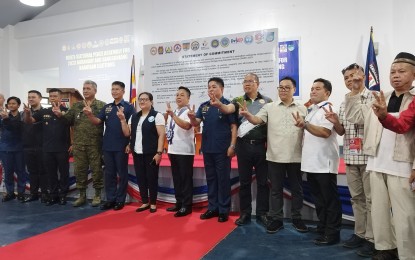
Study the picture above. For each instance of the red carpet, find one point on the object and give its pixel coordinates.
(125, 234)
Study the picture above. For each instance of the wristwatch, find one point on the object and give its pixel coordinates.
(159, 153)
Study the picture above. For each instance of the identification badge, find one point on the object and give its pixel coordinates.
(355, 146)
(170, 135)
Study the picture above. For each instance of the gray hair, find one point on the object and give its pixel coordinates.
(90, 82)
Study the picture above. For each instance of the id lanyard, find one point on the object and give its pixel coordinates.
(315, 112)
(170, 132)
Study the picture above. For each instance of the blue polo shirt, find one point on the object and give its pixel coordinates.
(114, 139)
(216, 135)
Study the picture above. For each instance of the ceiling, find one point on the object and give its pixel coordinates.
(13, 12)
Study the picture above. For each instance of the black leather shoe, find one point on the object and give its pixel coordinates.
(32, 197)
(107, 205)
(390, 254)
(274, 225)
(153, 210)
(183, 212)
(367, 250)
(223, 217)
(44, 198)
(262, 220)
(299, 225)
(52, 201)
(174, 209)
(243, 220)
(8, 197)
(316, 230)
(326, 240)
(209, 214)
(140, 209)
(119, 206)
(62, 201)
(20, 197)
(354, 241)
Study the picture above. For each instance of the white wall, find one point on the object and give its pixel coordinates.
(35, 46)
(333, 33)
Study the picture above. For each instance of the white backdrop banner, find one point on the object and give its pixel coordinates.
(191, 63)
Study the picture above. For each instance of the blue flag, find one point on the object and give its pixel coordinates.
(371, 70)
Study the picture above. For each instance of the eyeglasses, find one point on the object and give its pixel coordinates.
(143, 99)
(352, 66)
(284, 89)
(249, 81)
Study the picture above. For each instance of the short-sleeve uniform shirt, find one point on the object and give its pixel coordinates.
(216, 134)
(114, 139)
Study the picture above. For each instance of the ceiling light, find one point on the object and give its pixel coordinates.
(33, 2)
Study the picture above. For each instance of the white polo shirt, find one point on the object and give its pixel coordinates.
(320, 155)
(183, 141)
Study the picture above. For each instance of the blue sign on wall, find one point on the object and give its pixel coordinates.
(289, 63)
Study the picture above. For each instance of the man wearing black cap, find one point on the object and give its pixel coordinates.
(390, 163)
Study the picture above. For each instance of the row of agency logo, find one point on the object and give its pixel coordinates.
(258, 38)
(126, 39)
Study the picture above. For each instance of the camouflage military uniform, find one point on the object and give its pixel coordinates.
(87, 145)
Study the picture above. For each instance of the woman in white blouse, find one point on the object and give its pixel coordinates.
(147, 139)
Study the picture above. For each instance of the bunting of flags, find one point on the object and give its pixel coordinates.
(133, 88)
(371, 70)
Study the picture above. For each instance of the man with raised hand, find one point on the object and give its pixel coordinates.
(283, 153)
(320, 160)
(32, 146)
(358, 179)
(115, 115)
(87, 144)
(181, 150)
(218, 144)
(390, 162)
(251, 152)
(56, 146)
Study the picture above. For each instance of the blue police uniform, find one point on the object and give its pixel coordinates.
(56, 142)
(113, 147)
(216, 139)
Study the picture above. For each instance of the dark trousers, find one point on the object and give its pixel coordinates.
(276, 174)
(147, 177)
(38, 177)
(13, 162)
(218, 169)
(252, 156)
(116, 164)
(182, 172)
(57, 168)
(326, 199)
